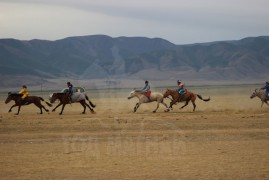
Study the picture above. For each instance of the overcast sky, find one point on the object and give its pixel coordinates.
(179, 21)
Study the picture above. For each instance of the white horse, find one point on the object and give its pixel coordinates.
(154, 96)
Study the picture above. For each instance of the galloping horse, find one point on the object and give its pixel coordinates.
(28, 100)
(260, 94)
(154, 96)
(76, 97)
(188, 96)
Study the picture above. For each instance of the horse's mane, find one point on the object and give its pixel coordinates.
(138, 91)
(172, 90)
(259, 91)
(14, 94)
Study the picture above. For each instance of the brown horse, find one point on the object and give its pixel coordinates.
(187, 97)
(28, 100)
(64, 99)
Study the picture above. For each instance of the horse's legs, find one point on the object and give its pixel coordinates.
(40, 110)
(89, 107)
(266, 103)
(262, 104)
(62, 109)
(19, 108)
(156, 107)
(172, 103)
(92, 104)
(40, 106)
(83, 104)
(187, 102)
(57, 106)
(45, 108)
(137, 106)
(194, 105)
(167, 109)
(12, 107)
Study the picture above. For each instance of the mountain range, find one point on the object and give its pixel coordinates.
(104, 57)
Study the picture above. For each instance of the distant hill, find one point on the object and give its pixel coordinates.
(100, 57)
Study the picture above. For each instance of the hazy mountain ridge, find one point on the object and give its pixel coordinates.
(101, 56)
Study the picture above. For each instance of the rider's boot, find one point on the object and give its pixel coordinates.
(24, 102)
(70, 100)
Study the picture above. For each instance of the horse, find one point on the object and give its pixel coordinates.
(76, 97)
(187, 97)
(260, 94)
(28, 100)
(154, 96)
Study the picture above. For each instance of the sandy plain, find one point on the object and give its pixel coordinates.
(226, 138)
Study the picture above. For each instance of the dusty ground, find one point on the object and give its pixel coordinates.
(226, 138)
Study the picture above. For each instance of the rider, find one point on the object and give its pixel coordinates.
(146, 89)
(70, 90)
(266, 87)
(24, 93)
(181, 90)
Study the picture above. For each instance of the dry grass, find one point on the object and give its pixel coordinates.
(226, 138)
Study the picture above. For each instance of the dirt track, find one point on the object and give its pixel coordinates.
(224, 139)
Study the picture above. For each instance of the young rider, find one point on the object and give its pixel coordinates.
(24, 93)
(266, 87)
(181, 90)
(70, 90)
(146, 89)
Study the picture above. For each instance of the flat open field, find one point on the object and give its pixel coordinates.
(226, 138)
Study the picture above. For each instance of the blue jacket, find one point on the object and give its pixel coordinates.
(266, 88)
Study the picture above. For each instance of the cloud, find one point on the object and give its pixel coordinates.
(180, 21)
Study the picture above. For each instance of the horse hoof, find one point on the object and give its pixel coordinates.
(154, 111)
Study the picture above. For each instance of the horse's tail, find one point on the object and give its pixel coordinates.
(92, 105)
(200, 97)
(50, 105)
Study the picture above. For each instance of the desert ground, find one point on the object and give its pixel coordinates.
(225, 138)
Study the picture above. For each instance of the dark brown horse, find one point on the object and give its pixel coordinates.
(64, 99)
(187, 97)
(28, 100)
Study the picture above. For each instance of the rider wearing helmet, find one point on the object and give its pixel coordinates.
(266, 87)
(70, 90)
(181, 89)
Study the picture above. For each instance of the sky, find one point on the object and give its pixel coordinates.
(178, 21)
